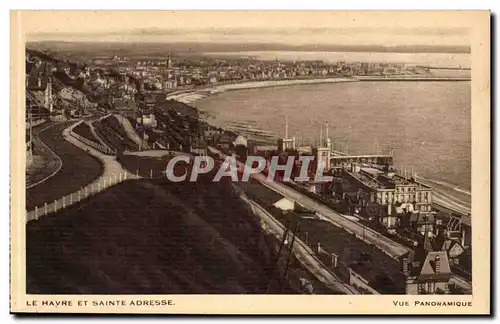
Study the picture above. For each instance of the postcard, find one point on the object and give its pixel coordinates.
(250, 162)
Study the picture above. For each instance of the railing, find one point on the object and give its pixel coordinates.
(75, 197)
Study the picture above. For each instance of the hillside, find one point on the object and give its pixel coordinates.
(151, 237)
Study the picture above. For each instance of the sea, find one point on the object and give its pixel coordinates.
(427, 124)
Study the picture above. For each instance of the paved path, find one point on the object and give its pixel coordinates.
(77, 170)
(45, 162)
(111, 174)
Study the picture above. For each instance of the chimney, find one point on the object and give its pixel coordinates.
(437, 259)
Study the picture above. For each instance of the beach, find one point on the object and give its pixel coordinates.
(192, 95)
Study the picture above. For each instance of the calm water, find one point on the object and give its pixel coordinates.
(433, 59)
(427, 124)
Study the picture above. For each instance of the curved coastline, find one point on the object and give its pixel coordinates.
(191, 95)
(194, 94)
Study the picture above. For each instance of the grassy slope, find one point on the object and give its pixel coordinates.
(150, 237)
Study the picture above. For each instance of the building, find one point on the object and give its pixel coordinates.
(427, 270)
(145, 102)
(423, 222)
(341, 159)
(389, 216)
(229, 140)
(39, 85)
(387, 187)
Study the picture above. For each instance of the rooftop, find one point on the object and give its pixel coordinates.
(377, 179)
(367, 180)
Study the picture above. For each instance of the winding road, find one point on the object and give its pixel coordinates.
(77, 168)
(46, 163)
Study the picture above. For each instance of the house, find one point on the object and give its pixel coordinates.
(389, 216)
(229, 140)
(427, 270)
(452, 247)
(454, 250)
(424, 222)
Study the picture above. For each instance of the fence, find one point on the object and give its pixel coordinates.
(75, 197)
(101, 148)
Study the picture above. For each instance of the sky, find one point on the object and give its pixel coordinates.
(286, 27)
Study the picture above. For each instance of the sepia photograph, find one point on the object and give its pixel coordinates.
(248, 155)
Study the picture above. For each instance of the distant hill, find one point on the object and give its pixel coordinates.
(96, 49)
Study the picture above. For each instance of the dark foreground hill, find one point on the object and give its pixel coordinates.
(145, 237)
